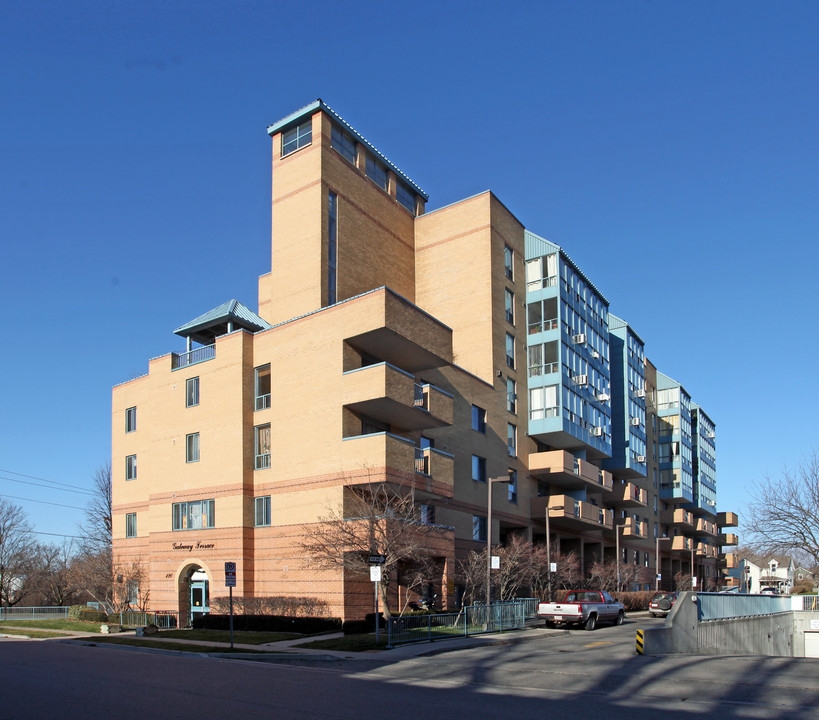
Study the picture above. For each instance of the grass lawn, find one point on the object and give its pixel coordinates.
(32, 633)
(159, 644)
(239, 637)
(79, 625)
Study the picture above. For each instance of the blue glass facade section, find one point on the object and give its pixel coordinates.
(674, 440)
(704, 460)
(567, 349)
(628, 407)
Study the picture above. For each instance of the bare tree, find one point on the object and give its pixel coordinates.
(52, 578)
(93, 568)
(783, 514)
(567, 574)
(515, 572)
(376, 519)
(17, 553)
(471, 574)
(96, 529)
(604, 575)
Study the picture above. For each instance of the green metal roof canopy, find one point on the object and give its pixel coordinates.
(226, 318)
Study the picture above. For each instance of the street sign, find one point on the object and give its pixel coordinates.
(378, 559)
(230, 574)
(375, 573)
(495, 562)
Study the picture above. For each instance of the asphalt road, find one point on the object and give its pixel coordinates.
(554, 675)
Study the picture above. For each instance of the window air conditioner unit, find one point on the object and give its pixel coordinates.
(595, 354)
(603, 397)
(640, 393)
(711, 434)
(641, 458)
(579, 339)
(597, 432)
(581, 379)
(635, 421)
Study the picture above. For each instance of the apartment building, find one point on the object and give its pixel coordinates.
(430, 350)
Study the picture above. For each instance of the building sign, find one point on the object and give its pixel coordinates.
(198, 545)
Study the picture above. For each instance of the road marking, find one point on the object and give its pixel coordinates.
(597, 644)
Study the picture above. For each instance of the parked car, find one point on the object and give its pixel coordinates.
(661, 603)
(769, 591)
(583, 607)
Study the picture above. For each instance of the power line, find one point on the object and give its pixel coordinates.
(44, 502)
(76, 537)
(51, 482)
(26, 482)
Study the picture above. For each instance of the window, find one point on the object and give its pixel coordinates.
(508, 262)
(262, 446)
(130, 419)
(262, 507)
(405, 196)
(543, 402)
(130, 467)
(194, 515)
(428, 514)
(297, 137)
(343, 143)
(332, 247)
(511, 439)
(130, 525)
(511, 396)
(478, 468)
(510, 350)
(262, 387)
(478, 419)
(510, 305)
(479, 528)
(192, 447)
(377, 172)
(512, 494)
(192, 392)
(132, 592)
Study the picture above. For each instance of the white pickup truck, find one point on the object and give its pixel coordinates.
(583, 607)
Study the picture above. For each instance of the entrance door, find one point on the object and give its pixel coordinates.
(200, 596)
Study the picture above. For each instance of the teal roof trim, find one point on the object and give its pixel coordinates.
(308, 110)
(232, 311)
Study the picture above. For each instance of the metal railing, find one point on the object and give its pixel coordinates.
(718, 606)
(181, 360)
(471, 620)
(33, 613)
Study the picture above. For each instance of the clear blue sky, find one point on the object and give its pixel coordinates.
(669, 147)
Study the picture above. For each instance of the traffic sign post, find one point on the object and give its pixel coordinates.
(376, 561)
(230, 583)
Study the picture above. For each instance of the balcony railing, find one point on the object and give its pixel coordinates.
(181, 360)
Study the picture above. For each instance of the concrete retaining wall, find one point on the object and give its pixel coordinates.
(781, 634)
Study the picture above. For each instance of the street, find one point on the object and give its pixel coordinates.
(556, 675)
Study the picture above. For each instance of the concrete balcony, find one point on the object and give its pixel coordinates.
(706, 550)
(705, 527)
(727, 519)
(566, 512)
(561, 469)
(367, 457)
(387, 393)
(627, 494)
(684, 519)
(384, 325)
(681, 544)
(730, 561)
(728, 539)
(635, 529)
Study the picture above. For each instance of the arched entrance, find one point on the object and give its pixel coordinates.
(194, 594)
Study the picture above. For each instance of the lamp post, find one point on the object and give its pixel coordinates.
(657, 561)
(489, 482)
(549, 542)
(617, 526)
